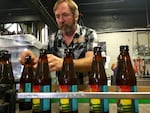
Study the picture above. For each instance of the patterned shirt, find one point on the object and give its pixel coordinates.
(81, 43)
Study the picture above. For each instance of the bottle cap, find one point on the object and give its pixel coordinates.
(97, 49)
(43, 51)
(124, 47)
(27, 59)
(68, 50)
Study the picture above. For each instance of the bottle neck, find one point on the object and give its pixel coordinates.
(125, 72)
(43, 66)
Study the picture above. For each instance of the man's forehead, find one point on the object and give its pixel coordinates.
(62, 8)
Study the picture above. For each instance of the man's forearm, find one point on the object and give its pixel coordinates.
(83, 64)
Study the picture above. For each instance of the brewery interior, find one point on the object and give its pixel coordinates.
(27, 24)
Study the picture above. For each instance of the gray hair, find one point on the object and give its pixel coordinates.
(72, 5)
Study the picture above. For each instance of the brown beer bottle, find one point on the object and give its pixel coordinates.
(42, 83)
(26, 82)
(7, 77)
(1, 65)
(126, 81)
(98, 83)
(68, 83)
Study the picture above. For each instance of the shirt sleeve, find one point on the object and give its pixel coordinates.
(50, 46)
(91, 36)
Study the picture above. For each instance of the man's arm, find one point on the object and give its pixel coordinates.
(84, 64)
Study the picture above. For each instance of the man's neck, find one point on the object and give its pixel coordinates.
(68, 38)
(71, 33)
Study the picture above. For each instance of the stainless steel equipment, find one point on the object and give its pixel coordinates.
(16, 44)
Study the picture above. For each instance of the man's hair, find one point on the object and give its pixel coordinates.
(72, 5)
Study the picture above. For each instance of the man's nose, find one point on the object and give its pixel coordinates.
(61, 19)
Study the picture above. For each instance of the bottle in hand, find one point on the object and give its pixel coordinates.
(26, 82)
(42, 83)
(68, 83)
(98, 83)
(126, 81)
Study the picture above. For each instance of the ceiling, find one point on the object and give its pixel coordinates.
(102, 15)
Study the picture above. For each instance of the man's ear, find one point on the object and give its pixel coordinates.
(76, 18)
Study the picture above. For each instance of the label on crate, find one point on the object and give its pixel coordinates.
(67, 105)
(104, 88)
(74, 101)
(45, 103)
(36, 101)
(124, 105)
(27, 88)
(135, 101)
(96, 104)
(64, 102)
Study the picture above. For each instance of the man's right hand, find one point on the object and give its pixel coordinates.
(28, 53)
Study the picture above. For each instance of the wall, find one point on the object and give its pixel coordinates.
(114, 40)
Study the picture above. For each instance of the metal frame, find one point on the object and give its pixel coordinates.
(129, 95)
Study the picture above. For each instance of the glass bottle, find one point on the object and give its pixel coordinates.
(42, 83)
(68, 83)
(7, 77)
(10, 70)
(98, 83)
(1, 65)
(126, 81)
(26, 82)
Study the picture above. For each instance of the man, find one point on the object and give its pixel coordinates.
(70, 34)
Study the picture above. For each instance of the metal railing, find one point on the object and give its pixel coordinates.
(129, 95)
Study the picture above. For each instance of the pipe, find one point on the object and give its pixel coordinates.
(44, 14)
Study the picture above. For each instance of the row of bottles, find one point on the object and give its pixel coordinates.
(26, 83)
(68, 83)
(38, 82)
(98, 83)
(41, 82)
(126, 81)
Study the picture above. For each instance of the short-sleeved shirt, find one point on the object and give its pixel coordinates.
(82, 42)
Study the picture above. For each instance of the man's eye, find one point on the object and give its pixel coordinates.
(65, 15)
(56, 16)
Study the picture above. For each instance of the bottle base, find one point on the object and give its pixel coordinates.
(25, 106)
(98, 112)
(49, 111)
(69, 112)
(126, 111)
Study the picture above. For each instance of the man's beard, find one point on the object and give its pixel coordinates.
(67, 29)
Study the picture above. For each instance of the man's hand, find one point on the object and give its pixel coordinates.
(55, 63)
(28, 53)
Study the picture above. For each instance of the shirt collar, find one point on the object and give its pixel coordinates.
(78, 29)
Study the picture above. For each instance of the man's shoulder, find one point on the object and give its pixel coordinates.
(86, 28)
(55, 34)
